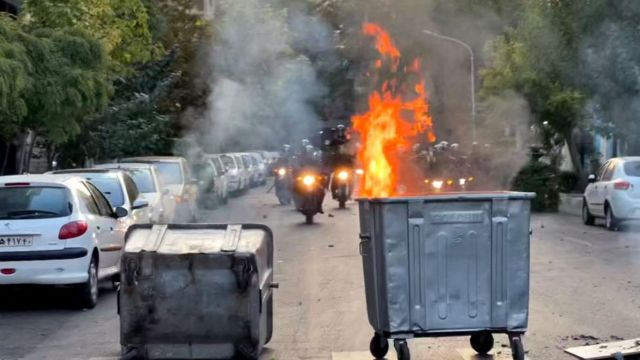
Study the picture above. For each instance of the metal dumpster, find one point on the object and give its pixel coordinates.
(196, 291)
(445, 265)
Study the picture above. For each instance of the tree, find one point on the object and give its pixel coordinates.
(57, 79)
(121, 25)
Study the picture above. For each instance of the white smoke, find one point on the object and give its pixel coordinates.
(263, 84)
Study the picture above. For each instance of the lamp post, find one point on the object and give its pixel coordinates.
(472, 81)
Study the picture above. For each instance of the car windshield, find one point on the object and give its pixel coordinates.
(170, 172)
(109, 185)
(228, 162)
(217, 165)
(143, 180)
(632, 168)
(246, 160)
(34, 202)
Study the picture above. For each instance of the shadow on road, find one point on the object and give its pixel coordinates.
(21, 298)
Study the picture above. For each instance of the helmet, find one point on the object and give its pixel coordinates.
(454, 146)
(305, 143)
(286, 148)
(308, 148)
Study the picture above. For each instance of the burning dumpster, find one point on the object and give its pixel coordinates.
(445, 265)
(196, 291)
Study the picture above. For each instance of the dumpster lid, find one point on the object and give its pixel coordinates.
(455, 196)
(196, 238)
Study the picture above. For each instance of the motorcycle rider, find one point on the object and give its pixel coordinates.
(309, 161)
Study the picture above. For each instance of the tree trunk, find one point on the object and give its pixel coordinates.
(5, 159)
(30, 150)
(570, 140)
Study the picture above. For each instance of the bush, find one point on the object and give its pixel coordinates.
(541, 179)
(568, 182)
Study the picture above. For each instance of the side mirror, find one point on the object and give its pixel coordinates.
(121, 212)
(139, 204)
(592, 178)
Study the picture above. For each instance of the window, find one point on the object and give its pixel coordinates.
(228, 162)
(171, 172)
(143, 180)
(632, 168)
(241, 165)
(87, 199)
(246, 160)
(109, 185)
(34, 202)
(608, 173)
(103, 204)
(203, 171)
(254, 161)
(130, 186)
(218, 165)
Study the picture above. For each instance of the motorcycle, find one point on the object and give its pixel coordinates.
(341, 186)
(283, 185)
(308, 194)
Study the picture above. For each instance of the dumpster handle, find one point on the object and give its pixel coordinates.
(363, 239)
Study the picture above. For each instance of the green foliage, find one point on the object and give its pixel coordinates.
(568, 182)
(541, 179)
(121, 25)
(53, 80)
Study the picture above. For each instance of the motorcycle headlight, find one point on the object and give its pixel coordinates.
(282, 171)
(308, 180)
(343, 175)
(359, 171)
(462, 181)
(437, 184)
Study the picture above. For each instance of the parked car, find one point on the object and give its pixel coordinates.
(176, 176)
(119, 188)
(243, 171)
(58, 230)
(252, 168)
(235, 182)
(260, 168)
(212, 185)
(613, 193)
(149, 183)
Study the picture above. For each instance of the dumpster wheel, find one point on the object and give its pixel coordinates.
(379, 346)
(517, 350)
(402, 349)
(482, 343)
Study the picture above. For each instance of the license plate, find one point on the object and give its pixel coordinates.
(16, 241)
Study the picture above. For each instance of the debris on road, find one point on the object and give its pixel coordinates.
(616, 349)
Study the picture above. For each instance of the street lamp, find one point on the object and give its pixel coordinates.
(473, 81)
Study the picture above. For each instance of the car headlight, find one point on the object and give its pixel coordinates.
(462, 181)
(343, 175)
(360, 171)
(437, 184)
(282, 171)
(308, 180)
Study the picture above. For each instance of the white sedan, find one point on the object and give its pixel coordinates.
(58, 230)
(613, 193)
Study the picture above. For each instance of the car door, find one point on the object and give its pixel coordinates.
(609, 178)
(600, 188)
(111, 231)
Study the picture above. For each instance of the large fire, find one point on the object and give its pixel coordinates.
(398, 116)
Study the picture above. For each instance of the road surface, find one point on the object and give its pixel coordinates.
(584, 283)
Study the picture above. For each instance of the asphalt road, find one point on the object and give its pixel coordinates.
(585, 282)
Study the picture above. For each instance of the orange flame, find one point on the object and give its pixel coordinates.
(392, 123)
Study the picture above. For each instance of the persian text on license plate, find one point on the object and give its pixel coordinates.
(15, 241)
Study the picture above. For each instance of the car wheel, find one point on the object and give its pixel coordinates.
(87, 292)
(587, 218)
(611, 222)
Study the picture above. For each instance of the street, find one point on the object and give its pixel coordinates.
(584, 288)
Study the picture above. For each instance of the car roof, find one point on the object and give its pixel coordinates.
(41, 179)
(629, 158)
(126, 165)
(76, 171)
(147, 159)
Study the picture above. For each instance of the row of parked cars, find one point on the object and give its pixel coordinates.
(68, 227)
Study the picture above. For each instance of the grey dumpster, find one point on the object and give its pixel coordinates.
(445, 265)
(196, 291)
